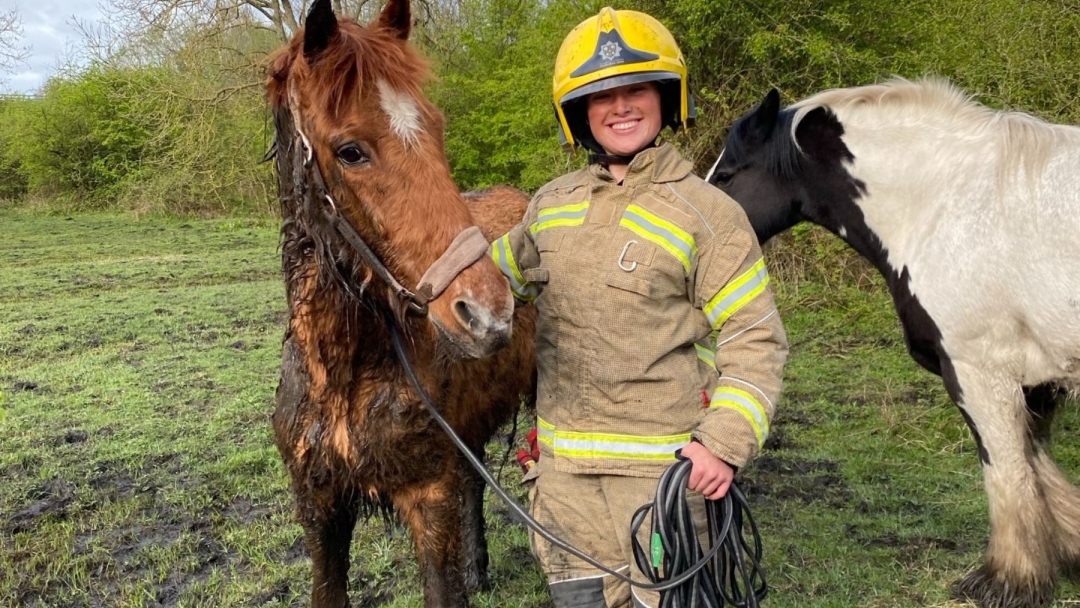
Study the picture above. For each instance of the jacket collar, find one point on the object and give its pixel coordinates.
(653, 165)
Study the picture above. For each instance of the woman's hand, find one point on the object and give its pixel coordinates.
(709, 475)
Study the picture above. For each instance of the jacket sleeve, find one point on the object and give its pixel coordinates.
(732, 289)
(515, 254)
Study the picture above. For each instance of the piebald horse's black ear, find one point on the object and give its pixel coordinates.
(820, 136)
(766, 116)
(320, 27)
(396, 17)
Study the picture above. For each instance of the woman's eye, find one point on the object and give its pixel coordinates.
(351, 154)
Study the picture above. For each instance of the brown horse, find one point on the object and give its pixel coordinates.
(360, 149)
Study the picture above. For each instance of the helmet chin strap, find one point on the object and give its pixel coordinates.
(618, 159)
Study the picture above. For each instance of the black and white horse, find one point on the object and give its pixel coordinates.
(973, 218)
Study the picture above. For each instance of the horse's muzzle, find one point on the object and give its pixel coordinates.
(486, 329)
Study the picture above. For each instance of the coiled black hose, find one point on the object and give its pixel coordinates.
(732, 575)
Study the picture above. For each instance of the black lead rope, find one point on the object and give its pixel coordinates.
(687, 577)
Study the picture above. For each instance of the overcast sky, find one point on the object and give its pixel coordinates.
(48, 29)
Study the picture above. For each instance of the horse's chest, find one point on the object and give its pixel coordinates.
(390, 442)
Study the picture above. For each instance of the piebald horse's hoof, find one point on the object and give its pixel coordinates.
(989, 590)
(1071, 570)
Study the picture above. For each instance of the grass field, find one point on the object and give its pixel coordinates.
(138, 361)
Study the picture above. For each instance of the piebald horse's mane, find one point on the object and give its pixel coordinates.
(933, 103)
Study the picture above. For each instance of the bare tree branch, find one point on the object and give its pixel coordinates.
(12, 52)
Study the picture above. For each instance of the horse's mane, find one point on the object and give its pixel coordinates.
(934, 102)
(358, 56)
(781, 154)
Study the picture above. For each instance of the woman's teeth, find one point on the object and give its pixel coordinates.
(625, 126)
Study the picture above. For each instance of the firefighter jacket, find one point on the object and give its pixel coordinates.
(656, 321)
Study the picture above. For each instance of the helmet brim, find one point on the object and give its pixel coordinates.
(617, 81)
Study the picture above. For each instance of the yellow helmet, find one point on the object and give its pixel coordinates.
(613, 49)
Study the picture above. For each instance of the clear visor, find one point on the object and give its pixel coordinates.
(617, 81)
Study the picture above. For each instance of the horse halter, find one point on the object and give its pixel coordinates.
(464, 251)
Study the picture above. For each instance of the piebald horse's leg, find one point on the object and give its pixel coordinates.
(473, 530)
(1021, 563)
(1062, 497)
(433, 513)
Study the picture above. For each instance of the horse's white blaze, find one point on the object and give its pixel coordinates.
(403, 112)
(708, 176)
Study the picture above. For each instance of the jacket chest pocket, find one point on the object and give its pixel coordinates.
(633, 269)
(643, 270)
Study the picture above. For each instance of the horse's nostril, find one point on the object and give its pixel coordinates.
(465, 314)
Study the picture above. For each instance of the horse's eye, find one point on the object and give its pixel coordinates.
(723, 178)
(351, 154)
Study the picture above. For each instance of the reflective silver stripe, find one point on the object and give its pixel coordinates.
(662, 232)
(706, 354)
(737, 294)
(563, 215)
(744, 403)
(609, 445)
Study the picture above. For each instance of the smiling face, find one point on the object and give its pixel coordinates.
(625, 119)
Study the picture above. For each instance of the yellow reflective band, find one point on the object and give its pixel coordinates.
(706, 355)
(545, 432)
(609, 445)
(656, 229)
(737, 294)
(503, 255)
(744, 403)
(563, 215)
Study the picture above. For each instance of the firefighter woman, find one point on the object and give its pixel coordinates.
(657, 327)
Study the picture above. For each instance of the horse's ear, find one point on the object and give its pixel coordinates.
(765, 116)
(320, 27)
(819, 135)
(396, 17)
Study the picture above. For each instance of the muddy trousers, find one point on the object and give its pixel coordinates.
(593, 513)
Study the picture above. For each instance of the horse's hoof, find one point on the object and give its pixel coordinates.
(988, 590)
(1071, 569)
(477, 580)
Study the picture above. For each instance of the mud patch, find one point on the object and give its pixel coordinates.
(772, 477)
(909, 550)
(72, 437)
(27, 386)
(48, 500)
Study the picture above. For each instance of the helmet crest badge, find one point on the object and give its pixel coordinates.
(610, 51)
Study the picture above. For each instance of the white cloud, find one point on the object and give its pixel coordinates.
(49, 30)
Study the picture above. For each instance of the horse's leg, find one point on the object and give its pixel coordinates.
(328, 527)
(433, 513)
(1062, 497)
(473, 528)
(1020, 567)
(327, 519)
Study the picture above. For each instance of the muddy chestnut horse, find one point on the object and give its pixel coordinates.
(359, 158)
(972, 216)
